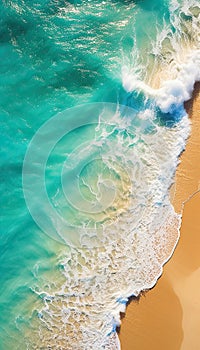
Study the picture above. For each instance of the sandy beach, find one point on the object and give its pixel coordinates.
(167, 317)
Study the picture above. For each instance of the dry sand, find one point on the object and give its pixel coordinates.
(168, 316)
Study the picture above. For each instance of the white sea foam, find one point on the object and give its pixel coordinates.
(172, 93)
(85, 311)
(176, 59)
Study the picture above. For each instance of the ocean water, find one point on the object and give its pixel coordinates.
(92, 124)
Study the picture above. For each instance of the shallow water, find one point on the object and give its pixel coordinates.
(92, 124)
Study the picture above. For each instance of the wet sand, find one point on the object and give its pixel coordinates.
(168, 316)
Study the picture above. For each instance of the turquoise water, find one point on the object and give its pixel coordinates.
(98, 86)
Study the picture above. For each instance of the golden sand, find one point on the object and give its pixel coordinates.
(168, 316)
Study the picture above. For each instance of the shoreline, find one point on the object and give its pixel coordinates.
(167, 316)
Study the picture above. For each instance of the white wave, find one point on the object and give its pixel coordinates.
(176, 65)
(175, 92)
(172, 93)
